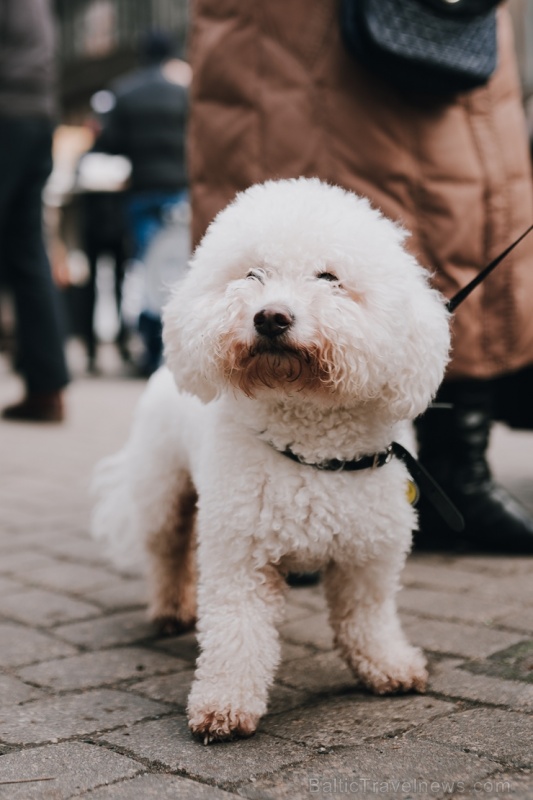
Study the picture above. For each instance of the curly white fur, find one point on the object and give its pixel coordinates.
(364, 352)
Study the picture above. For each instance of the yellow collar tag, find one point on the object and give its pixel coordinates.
(412, 492)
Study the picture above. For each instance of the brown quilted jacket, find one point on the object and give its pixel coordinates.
(276, 95)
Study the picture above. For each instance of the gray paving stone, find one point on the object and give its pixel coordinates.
(392, 768)
(36, 538)
(452, 606)
(168, 688)
(352, 720)
(74, 715)
(75, 548)
(504, 736)
(8, 543)
(283, 698)
(23, 541)
(290, 652)
(457, 638)
(15, 523)
(432, 558)
(521, 620)
(513, 663)
(314, 631)
(518, 588)
(495, 567)
(42, 524)
(73, 767)
(89, 670)
(115, 629)
(418, 572)
(66, 577)
(317, 674)
(44, 608)
(24, 562)
(447, 678)
(9, 586)
(14, 691)
(169, 742)
(159, 787)
(125, 593)
(184, 646)
(22, 645)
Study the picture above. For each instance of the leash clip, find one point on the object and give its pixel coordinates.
(377, 462)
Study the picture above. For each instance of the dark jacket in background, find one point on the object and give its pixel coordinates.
(27, 61)
(147, 125)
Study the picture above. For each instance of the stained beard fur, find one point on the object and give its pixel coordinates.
(273, 366)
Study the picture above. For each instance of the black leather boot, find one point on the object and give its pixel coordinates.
(453, 444)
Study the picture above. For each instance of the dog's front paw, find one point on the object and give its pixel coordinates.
(407, 673)
(218, 725)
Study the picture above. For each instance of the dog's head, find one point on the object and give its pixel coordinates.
(299, 287)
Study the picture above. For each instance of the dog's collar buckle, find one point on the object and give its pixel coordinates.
(380, 459)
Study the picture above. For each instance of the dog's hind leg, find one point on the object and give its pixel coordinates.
(362, 602)
(172, 563)
(145, 506)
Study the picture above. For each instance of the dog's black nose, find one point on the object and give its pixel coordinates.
(273, 321)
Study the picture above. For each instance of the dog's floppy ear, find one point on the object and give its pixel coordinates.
(420, 367)
(184, 335)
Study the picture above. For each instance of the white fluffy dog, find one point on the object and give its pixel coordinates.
(303, 336)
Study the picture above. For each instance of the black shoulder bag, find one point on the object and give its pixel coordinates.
(429, 46)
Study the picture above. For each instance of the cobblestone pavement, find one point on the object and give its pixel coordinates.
(92, 702)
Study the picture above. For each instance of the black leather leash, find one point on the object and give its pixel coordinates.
(430, 489)
(463, 293)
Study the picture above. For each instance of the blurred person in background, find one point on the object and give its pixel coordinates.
(27, 113)
(276, 94)
(100, 185)
(147, 123)
(103, 232)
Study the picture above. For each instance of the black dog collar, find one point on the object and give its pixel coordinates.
(337, 464)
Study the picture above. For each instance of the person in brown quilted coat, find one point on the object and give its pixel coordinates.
(276, 95)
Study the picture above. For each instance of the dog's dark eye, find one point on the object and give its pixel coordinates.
(255, 276)
(327, 276)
